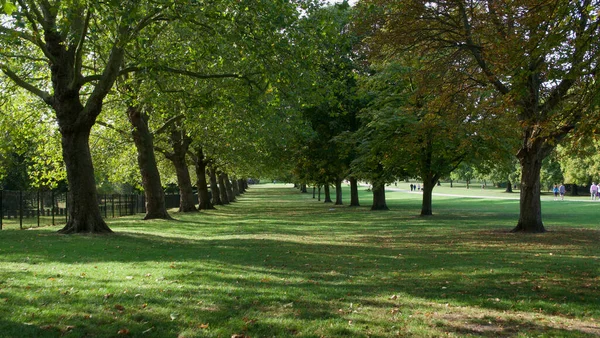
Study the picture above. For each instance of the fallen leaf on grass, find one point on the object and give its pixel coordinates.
(120, 307)
(123, 332)
(239, 336)
(248, 320)
(203, 326)
(393, 297)
(67, 328)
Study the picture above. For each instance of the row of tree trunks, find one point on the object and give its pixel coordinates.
(155, 205)
(354, 201)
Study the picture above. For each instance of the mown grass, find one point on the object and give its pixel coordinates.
(279, 263)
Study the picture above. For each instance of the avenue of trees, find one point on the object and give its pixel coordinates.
(204, 96)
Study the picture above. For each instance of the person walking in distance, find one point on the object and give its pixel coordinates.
(562, 190)
(594, 191)
(555, 191)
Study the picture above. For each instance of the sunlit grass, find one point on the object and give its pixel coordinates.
(279, 263)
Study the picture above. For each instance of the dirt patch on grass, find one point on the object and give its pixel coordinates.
(486, 323)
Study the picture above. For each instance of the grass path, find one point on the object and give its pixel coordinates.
(279, 263)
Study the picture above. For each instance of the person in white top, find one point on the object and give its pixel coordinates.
(594, 190)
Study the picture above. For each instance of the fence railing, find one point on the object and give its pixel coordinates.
(26, 209)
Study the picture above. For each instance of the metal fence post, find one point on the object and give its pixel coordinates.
(52, 208)
(21, 209)
(38, 208)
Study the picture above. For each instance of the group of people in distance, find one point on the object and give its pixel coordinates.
(560, 190)
(595, 191)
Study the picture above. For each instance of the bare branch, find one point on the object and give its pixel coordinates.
(26, 85)
(110, 126)
(79, 50)
(168, 123)
(475, 50)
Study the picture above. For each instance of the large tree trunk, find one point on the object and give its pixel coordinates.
(338, 191)
(508, 186)
(143, 140)
(229, 188)
(84, 212)
(379, 197)
(75, 120)
(236, 187)
(201, 184)
(180, 143)
(223, 188)
(426, 204)
(354, 192)
(327, 194)
(241, 185)
(214, 187)
(530, 213)
(574, 191)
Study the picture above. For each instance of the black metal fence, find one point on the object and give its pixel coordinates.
(26, 209)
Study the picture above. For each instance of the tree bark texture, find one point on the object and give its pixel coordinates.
(354, 192)
(75, 120)
(426, 203)
(84, 212)
(180, 143)
(241, 185)
(203, 195)
(379, 197)
(223, 188)
(327, 194)
(530, 213)
(229, 187)
(235, 187)
(214, 187)
(508, 186)
(338, 192)
(143, 140)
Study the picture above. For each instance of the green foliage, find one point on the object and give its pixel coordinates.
(8, 7)
(30, 149)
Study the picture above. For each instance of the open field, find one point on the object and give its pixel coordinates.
(279, 263)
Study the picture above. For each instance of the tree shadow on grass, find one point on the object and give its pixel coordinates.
(267, 266)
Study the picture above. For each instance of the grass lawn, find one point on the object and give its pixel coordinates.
(280, 263)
